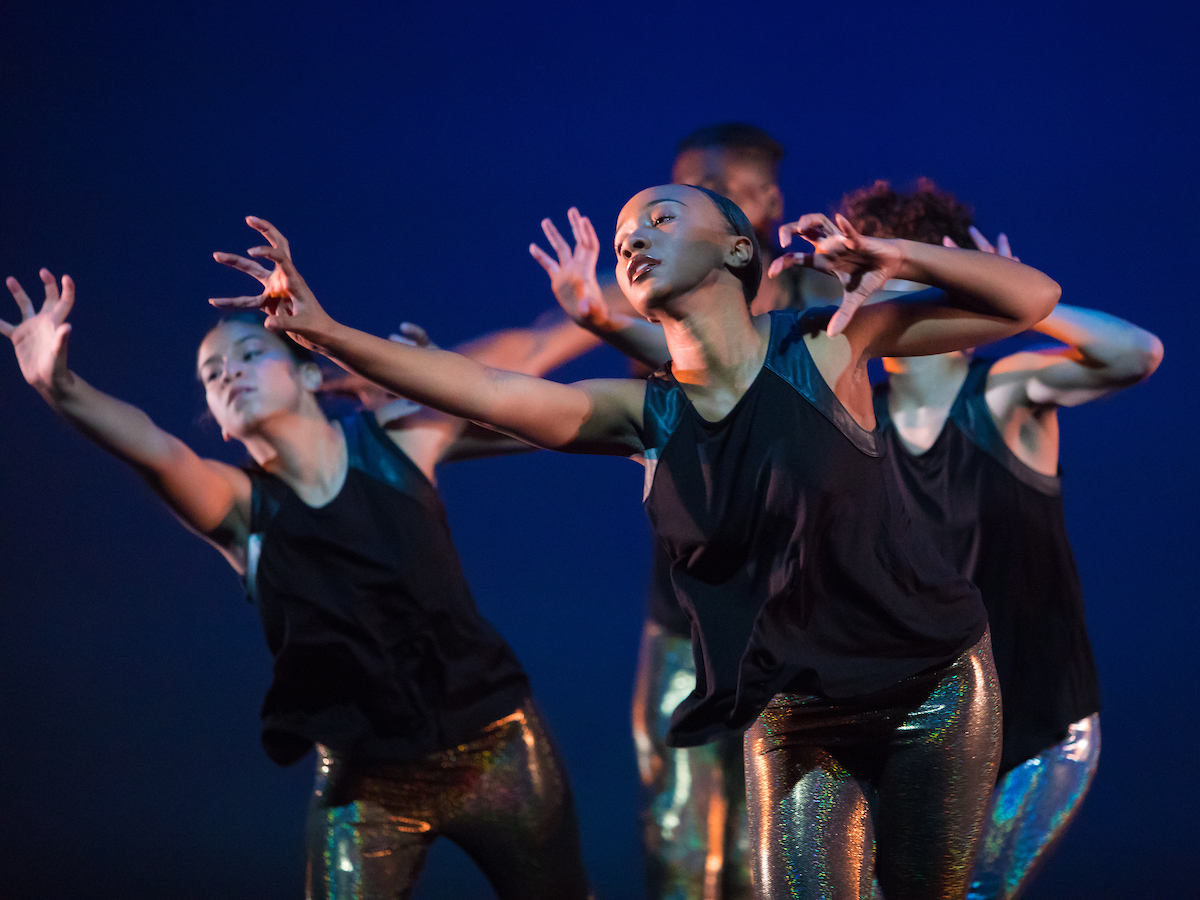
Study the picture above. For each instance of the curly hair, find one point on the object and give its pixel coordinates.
(926, 214)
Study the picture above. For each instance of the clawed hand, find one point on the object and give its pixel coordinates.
(289, 304)
(862, 264)
(40, 338)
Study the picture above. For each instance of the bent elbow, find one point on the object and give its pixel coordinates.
(1047, 299)
(1149, 356)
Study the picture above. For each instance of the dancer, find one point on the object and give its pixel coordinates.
(858, 659)
(695, 830)
(421, 715)
(975, 446)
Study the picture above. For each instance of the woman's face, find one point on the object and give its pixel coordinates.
(248, 376)
(670, 240)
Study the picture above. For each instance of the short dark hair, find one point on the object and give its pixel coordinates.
(750, 275)
(736, 137)
(300, 355)
(926, 214)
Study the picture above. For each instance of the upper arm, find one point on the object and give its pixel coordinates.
(1064, 377)
(923, 323)
(209, 497)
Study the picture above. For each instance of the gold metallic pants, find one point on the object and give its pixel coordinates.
(694, 819)
(503, 797)
(896, 785)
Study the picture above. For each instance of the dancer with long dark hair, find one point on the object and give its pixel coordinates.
(974, 442)
(421, 715)
(856, 657)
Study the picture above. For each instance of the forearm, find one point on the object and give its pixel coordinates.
(114, 425)
(536, 350)
(636, 338)
(1122, 350)
(982, 283)
(536, 411)
(192, 487)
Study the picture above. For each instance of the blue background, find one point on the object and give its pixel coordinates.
(409, 152)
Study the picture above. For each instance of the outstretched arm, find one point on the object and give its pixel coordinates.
(573, 281)
(592, 416)
(209, 497)
(1102, 353)
(978, 297)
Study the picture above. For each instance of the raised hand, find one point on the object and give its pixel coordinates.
(573, 274)
(862, 264)
(289, 304)
(981, 243)
(40, 338)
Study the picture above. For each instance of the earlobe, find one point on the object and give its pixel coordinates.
(740, 253)
(310, 376)
(775, 204)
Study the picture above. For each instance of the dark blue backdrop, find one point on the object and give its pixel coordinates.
(409, 152)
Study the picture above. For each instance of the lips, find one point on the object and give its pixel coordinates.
(638, 266)
(240, 391)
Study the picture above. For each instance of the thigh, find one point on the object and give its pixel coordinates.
(686, 789)
(356, 846)
(935, 785)
(811, 833)
(517, 818)
(1031, 809)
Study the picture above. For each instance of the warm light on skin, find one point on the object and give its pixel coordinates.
(687, 238)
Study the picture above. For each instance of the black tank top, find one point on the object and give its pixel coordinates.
(790, 549)
(379, 651)
(661, 606)
(1001, 524)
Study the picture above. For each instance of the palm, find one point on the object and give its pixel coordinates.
(573, 274)
(40, 338)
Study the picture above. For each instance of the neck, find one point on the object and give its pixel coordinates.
(926, 380)
(712, 337)
(302, 447)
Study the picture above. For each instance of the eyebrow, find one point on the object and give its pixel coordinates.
(215, 356)
(654, 203)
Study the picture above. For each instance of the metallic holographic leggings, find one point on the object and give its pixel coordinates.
(1031, 809)
(897, 784)
(694, 820)
(503, 797)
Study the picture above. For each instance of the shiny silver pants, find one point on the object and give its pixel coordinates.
(503, 797)
(1032, 806)
(896, 785)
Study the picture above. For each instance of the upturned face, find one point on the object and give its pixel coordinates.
(670, 240)
(749, 184)
(249, 376)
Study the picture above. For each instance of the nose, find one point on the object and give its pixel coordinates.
(634, 242)
(231, 368)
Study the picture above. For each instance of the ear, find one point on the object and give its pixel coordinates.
(225, 436)
(310, 376)
(774, 204)
(740, 252)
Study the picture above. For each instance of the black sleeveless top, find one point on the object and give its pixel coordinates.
(790, 549)
(1001, 524)
(379, 651)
